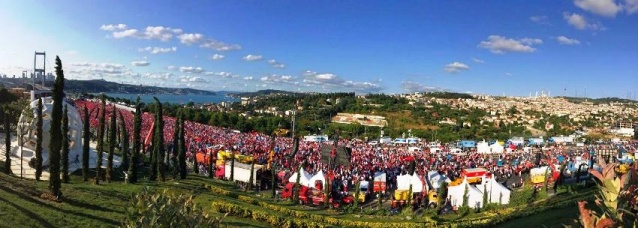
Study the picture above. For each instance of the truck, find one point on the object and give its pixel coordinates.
(474, 176)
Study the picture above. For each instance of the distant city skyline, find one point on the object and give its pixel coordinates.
(513, 48)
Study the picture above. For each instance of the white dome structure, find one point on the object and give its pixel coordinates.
(27, 127)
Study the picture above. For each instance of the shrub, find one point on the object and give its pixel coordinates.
(166, 209)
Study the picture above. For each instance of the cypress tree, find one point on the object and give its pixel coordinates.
(7, 144)
(38, 141)
(65, 145)
(175, 150)
(357, 191)
(250, 180)
(195, 163)
(100, 140)
(182, 149)
(159, 137)
(125, 144)
(326, 191)
(295, 200)
(232, 166)
(137, 128)
(210, 165)
(153, 155)
(85, 145)
(273, 182)
(112, 142)
(55, 145)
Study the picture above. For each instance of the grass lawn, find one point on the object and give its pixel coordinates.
(553, 218)
(104, 205)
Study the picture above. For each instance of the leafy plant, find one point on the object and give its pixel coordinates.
(166, 209)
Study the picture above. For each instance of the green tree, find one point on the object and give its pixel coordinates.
(159, 141)
(65, 145)
(250, 180)
(112, 143)
(38, 141)
(297, 189)
(210, 165)
(100, 140)
(55, 144)
(182, 149)
(137, 128)
(125, 144)
(175, 150)
(7, 143)
(357, 191)
(86, 133)
(232, 166)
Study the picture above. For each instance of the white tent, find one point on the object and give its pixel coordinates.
(319, 176)
(482, 148)
(497, 193)
(404, 182)
(496, 148)
(474, 195)
(303, 180)
(437, 179)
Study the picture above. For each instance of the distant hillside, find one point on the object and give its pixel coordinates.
(101, 86)
(599, 100)
(261, 93)
(448, 95)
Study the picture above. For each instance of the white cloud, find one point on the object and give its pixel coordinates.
(540, 19)
(218, 45)
(456, 67)
(190, 38)
(160, 33)
(607, 8)
(248, 78)
(325, 80)
(580, 22)
(163, 75)
(508, 74)
(150, 33)
(113, 27)
(87, 70)
(499, 45)
(477, 60)
(276, 64)
(195, 79)
(190, 69)
(157, 50)
(126, 33)
(411, 87)
(140, 63)
(217, 57)
(567, 41)
(253, 57)
(631, 6)
(171, 67)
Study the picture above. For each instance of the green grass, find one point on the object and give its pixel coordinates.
(552, 218)
(104, 205)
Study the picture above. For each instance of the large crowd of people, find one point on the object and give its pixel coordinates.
(365, 160)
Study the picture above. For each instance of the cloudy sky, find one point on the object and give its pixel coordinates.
(487, 47)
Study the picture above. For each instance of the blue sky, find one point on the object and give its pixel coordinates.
(485, 47)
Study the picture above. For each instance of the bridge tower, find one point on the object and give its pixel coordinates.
(37, 70)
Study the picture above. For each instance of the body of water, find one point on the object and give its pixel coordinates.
(176, 99)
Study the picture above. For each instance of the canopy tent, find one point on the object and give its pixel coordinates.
(404, 182)
(482, 148)
(320, 176)
(436, 179)
(496, 148)
(497, 193)
(303, 180)
(474, 195)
